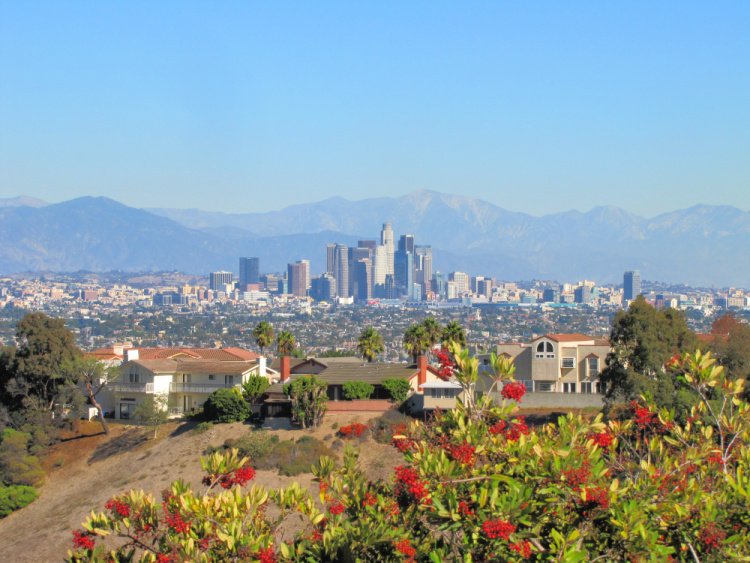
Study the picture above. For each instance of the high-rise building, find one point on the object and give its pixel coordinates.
(551, 295)
(341, 269)
(297, 278)
(362, 279)
(369, 244)
(404, 271)
(583, 294)
(631, 285)
(331, 258)
(381, 265)
(307, 272)
(218, 281)
(323, 288)
(249, 272)
(461, 280)
(386, 239)
(406, 243)
(423, 263)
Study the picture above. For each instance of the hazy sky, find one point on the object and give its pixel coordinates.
(537, 107)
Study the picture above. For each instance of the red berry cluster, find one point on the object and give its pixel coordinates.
(523, 548)
(712, 536)
(597, 496)
(498, 528)
(715, 458)
(446, 364)
(579, 476)
(463, 453)
(408, 483)
(514, 391)
(164, 558)
(118, 507)
(82, 540)
(354, 429)
(512, 431)
(404, 547)
(336, 508)
(402, 444)
(369, 500)
(464, 509)
(237, 477)
(266, 555)
(175, 521)
(603, 439)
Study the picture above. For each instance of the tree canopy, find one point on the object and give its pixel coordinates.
(370, 344)
(263, 334)
(285, 343)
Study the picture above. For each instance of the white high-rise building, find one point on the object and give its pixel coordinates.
(307, 273)
(386, 239)
(381, 265)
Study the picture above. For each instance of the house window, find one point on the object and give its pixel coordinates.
(529, 385)
(228, 381)
(586, 387)
(211, 377)
(569, 387)
(134, 377)
(127, 410)
(545, 349)
(568, 363)
(545, 386)
(593, 365)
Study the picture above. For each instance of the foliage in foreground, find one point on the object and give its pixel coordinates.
(476, 484)
(15, 497)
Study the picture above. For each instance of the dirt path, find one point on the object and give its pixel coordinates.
(86, 472)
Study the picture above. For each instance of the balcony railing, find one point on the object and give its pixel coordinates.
(126, 387)
(176, 387)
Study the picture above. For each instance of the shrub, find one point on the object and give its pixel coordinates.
(357, 390)
(256, 445)
(17, 466)
(226, 405)
(254, 388)
(355, 429)
(398, 389)
(294, 458)
(15, 497)
(202, 427)
(389, 423)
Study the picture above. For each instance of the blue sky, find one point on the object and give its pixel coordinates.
(537, 107)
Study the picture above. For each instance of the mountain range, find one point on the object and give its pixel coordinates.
(702, 245)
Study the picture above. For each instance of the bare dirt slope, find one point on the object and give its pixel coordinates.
(87, 471)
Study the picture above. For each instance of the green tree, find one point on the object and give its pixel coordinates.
(285, 343)
(152, 411)
(370, 344)
(730, 342)
(45, 345)
(263, 334)
(357, 390)
(416, 341)
(643, 340)
(93, 376)
(254, 387)
(309, 400)
(397, 388)
(433, 331)
(226, 405)
(15, 497)
(453, 332)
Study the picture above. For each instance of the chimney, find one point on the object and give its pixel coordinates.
(131, 354)
(422, 371)
(286, 368)
(262, 366)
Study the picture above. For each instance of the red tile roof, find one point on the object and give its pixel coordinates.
(567, 337)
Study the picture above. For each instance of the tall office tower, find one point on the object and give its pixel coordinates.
(475, 283)
(369, 244)
(438, 284)
(403, 276)
(386, 239)
(323, 288)
(297, 278)
(583, 294)
(406, 243)
(381, 265)
(307, 272)
(355, 254)
(218, 281)
(551, 295)
(249, 271)
(462, 282)
(631, 285)
(331, 258)
(341, 269)
(362, 279)
(423, 263)
(484, 287)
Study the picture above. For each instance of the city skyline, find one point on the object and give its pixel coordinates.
(637, 106)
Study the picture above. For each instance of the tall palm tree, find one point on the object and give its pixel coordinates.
(263, 333)
(416, 341)
(370, 344)
(286, 343)
(453, 332)
(433, 331)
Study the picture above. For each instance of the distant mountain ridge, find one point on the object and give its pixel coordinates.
(701, 245)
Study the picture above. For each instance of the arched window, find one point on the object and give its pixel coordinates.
(540, 347)
(550, 349)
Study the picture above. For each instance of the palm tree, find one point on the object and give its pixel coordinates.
(433, 331)
(370, 344)
(453, 332)
(286, 343)
(263, 333)
(416, 341)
